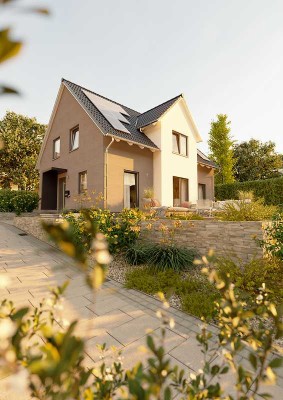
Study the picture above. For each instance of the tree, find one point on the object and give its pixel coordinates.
(22, 138)
(221, 148)
(256, 160)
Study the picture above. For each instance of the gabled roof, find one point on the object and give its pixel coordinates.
(154, 113)
(203, 159)
(107, 129)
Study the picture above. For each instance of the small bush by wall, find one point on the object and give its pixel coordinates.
(271, 190)
(18, 201)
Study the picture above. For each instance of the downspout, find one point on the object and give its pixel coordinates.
(106, 172)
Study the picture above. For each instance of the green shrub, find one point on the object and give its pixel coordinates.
(197, 294)
(18, 201)
(152, 282)
(6, 197)
(242, 211)
(248, 278)
(169, 256)
(271, 190)
(200, 304)
(273, 241)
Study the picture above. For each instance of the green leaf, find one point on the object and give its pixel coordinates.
(7, 90)
(253, 360)
(20, 313)
(150, 343)
(276, 363)
(8, 48)
(167, 394)
(39, 10)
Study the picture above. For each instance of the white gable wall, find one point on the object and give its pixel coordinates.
(166, 164)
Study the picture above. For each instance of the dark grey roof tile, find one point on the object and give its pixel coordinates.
(203, 159)
(155, 113)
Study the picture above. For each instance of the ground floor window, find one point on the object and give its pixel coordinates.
(201, 191)
(130, 189)
(82, 182)
(180, 190)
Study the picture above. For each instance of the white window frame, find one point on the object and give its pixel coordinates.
(74, 138)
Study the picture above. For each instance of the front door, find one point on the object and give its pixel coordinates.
(61, 193)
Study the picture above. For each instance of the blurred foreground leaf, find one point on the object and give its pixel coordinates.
(8, 47)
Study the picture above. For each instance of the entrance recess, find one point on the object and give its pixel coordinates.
(50, 189)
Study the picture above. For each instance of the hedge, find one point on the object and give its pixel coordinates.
(271, 190)
(18, 201)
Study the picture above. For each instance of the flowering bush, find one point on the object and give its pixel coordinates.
(18, 201)
(121, 230)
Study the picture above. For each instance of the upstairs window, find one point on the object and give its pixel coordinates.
(56, 148)
(82, 182)
(180, 144)
(74, 138)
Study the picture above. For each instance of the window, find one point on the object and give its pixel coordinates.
(201, 191)
(180, 143)
(82, 182)
(180, 191)
(56, 148)
(74, 138)
(131, 189)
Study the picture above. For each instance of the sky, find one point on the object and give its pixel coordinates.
(226, 56)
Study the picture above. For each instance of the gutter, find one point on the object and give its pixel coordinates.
(106, 171)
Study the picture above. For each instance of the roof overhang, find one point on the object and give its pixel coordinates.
(207, 165)
(196, 133)
(131, 142)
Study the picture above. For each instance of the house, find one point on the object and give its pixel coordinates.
(98, 144)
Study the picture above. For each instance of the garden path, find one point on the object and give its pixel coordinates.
(116, 316)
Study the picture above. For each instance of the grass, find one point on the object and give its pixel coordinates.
(161, 257)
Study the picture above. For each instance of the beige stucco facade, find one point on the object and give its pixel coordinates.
(122, 157)
(166, 163)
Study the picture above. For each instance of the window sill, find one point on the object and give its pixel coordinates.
(71, 151)
(178, 154)
(56, 158)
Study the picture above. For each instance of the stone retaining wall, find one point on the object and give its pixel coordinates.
(32, 225)
(232, 239)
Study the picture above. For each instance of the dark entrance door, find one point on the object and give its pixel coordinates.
(61, 193)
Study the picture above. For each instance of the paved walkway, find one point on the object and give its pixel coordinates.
(116, 316)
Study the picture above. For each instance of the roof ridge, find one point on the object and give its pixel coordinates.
(97, 94)
(161, 104)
